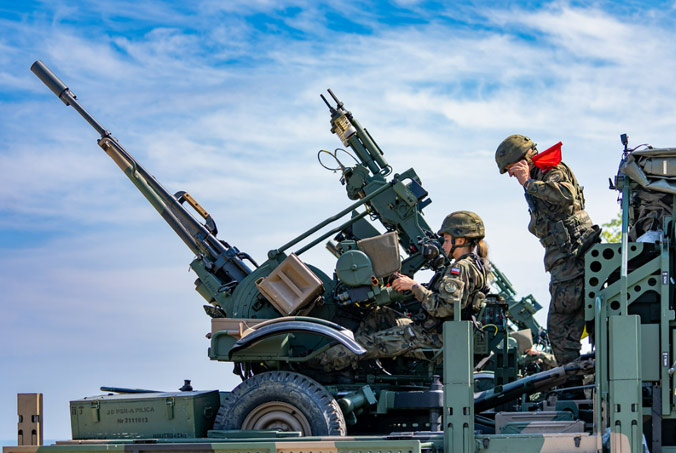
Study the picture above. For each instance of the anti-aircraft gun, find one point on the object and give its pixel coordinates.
(273, 319)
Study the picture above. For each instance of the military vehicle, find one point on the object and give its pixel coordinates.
(271, 320)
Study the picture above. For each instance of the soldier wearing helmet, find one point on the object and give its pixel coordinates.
(558, 219)
(463, 281)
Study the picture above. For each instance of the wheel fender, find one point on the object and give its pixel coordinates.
(313, 326)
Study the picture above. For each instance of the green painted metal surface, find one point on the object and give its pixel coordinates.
(458, 387)
(145, 415)
(306, 445)
(625, 401)
(650, 352)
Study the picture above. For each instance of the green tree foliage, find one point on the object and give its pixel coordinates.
(612, 230)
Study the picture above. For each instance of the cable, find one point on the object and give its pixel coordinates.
(491, 325)
(340, 167)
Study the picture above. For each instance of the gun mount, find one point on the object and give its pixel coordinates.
(271, 320)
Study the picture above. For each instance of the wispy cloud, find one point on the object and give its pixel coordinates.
(221, 99)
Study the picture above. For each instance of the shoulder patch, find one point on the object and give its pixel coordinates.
(450, 287)
(455, 271)
(556, 174)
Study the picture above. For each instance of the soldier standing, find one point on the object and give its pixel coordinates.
(558, 219)
(385, 333)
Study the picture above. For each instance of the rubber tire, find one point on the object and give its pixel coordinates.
(307, 396)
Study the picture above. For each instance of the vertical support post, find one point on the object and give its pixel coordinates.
(600, 364)
(666, 314)
(625, 248)
(656, 416)
(624, 374)
(458, 387)
(29, 410)
(669, 386)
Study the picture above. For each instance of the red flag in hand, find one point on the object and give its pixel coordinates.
(549, 158)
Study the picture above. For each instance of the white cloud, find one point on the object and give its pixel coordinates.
(210, 104)
(588, 33)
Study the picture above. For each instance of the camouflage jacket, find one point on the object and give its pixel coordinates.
(558, 219)
(464, 281)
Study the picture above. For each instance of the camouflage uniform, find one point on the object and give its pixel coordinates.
(558, 219)
(385, 333)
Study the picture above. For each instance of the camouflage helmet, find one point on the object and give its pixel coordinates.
(511, 150)
(463, 224)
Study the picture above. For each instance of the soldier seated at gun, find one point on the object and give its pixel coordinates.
(386, 333)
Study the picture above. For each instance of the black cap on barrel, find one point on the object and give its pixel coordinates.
(48, 78)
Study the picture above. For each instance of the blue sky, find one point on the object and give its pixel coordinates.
(222, 99)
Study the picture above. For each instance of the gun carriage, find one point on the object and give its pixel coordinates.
(272, 319)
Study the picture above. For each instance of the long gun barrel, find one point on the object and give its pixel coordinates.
(219, 258)
(352, 134)
(397, 204)
(534, 383)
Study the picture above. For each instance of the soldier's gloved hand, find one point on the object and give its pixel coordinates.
(519, 170)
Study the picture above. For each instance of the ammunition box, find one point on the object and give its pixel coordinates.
(234, 327)
(291, 286)
(179, 415)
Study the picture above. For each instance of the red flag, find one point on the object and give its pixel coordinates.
(549, 158)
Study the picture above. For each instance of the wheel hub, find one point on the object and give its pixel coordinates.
(279, 416)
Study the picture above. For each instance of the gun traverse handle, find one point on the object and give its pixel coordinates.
(62, 92)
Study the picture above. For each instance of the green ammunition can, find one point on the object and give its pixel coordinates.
(178, 415)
